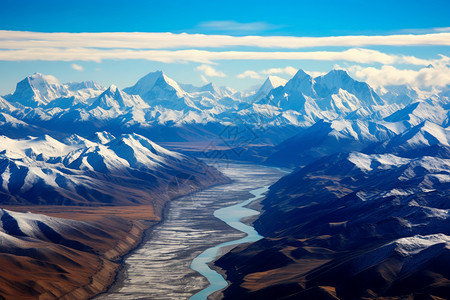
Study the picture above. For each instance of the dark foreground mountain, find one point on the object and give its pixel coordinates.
(351, 226)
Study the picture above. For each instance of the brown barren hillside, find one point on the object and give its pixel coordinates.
(74, 259)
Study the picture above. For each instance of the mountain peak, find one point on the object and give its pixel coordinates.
(302, 82)
(153, 76)
(38, 90)
(209, 87)
(337, 73)
(156, 88)
(276, 81)
(149, 81)
(335, 79)
(39, 79)
(301, 74)
(113, 97)
(269, 84)
(112, 88)
(338, 79)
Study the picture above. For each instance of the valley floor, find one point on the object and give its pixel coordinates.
(160, 267)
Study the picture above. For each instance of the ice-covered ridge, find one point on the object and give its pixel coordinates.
(113, 97)
(78, 170)
(422, 135)
(103, 137)
(418, 112)
(21, 148)
(139, 151)
(370, 162)
(114, 154)
(413, 245)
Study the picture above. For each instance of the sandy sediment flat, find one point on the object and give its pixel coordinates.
(139, 212)
(160, 267)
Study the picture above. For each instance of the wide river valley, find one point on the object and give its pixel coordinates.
(161, 267)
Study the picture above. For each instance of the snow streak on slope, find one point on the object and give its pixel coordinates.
(126, 169)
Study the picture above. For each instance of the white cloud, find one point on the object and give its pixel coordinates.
(77, 67)
(364, 56)
(287, 70)
(155, 40)
(249, 74)
(22, 45)
(436, 76)
(210, 71)
(204, 79)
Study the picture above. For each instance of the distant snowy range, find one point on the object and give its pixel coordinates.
(363, 214)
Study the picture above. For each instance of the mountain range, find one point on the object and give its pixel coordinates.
(363, 215)
(157, 100)
(107, 170)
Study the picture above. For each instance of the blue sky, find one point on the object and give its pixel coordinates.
(122, 65)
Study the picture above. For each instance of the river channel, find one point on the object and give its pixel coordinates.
(161, 267)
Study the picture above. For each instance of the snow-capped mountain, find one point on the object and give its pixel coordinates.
(38, 227)
(345, 218)
(157, 89)
(158, 101)
(368, 198)
(84, 86)
(209, 90)
(325, 138)
(301, 101)
(127, 169)
(271, 83)
(103, 137)
(9, 121)
(115, 98)
(40, 90)
(213, 98)
(418, 137)
(420, 111)
(6, 106)
(401, 94)
(336, 80)
(328, 97)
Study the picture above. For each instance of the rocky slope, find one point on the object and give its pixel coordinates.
(52, 258)
(350, 226)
